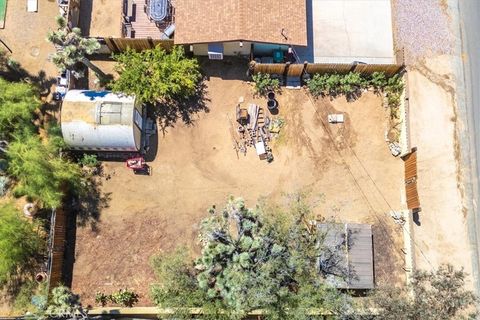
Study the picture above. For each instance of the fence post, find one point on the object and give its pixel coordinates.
(112, 45)
(150, 43)
(304, 70)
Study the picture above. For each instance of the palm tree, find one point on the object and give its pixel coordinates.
(72, 47)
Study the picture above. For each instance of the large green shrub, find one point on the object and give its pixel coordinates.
(20, 244)
(154, 75)
(18, 102)
(40, 172)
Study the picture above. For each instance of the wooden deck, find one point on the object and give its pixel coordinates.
(142, 26)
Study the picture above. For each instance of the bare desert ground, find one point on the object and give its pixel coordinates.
(346, 168)
(25, 34)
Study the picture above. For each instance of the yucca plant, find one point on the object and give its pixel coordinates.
(72, 47)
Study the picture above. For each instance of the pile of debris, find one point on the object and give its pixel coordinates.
(254, 129)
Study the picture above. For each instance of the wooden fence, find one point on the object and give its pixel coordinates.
(56, 250)
(410, 161)
(297, 70)
(117, 45)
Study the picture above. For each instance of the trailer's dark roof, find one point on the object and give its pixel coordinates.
(353, 244)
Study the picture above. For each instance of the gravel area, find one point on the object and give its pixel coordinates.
(422, 28)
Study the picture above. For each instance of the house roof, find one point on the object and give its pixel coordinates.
(348, 254)
(233, 20)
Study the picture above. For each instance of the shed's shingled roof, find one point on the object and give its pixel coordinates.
(233, 20)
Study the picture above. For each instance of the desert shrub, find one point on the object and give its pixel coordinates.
(18, 102)
(378, 80)
(265, 83)
(20, 245)
(438, 294)
(318, 84)
(124, 297)
(39, 170)
(89, 160)
(101, 298)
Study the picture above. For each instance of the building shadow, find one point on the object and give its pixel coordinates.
(230, 68)
(85, 20)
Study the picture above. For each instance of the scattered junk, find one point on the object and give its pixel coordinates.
(336, 118)
(41, 277)
(29, 210)
(62, 86)
(272, 104)
(398, 217)
(395, 148)
(138, 165)
(254, 129)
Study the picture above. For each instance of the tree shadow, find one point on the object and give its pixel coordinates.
(89, 202)
(12, 71)
(177, 108)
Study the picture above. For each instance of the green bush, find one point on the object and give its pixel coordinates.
(265, 83)
(101, 298)
(18, 102)
(155, 75)
(378, 80)
(318, 84)
(124, 297)
(89, 160)
(20, 245)
(39, 170)
(351, 83)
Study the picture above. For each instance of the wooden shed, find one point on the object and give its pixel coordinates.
(347, 252)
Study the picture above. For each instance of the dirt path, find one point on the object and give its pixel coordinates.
(442, 234)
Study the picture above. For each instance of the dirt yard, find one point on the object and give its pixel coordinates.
(25, 34)
(348, 166)
(101, 18)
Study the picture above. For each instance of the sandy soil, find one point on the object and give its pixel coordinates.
(25, 34)
(196, 167)
(101, 18)
(442, 234)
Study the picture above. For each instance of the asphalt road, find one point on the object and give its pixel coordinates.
(469, 11)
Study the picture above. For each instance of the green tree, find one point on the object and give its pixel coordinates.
(437, 295)
(20, 245)
(72, 47)
(155, 75)
(252, 259)
(18, 102)
(40, 171)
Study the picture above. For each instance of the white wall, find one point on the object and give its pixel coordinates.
(229, 49)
